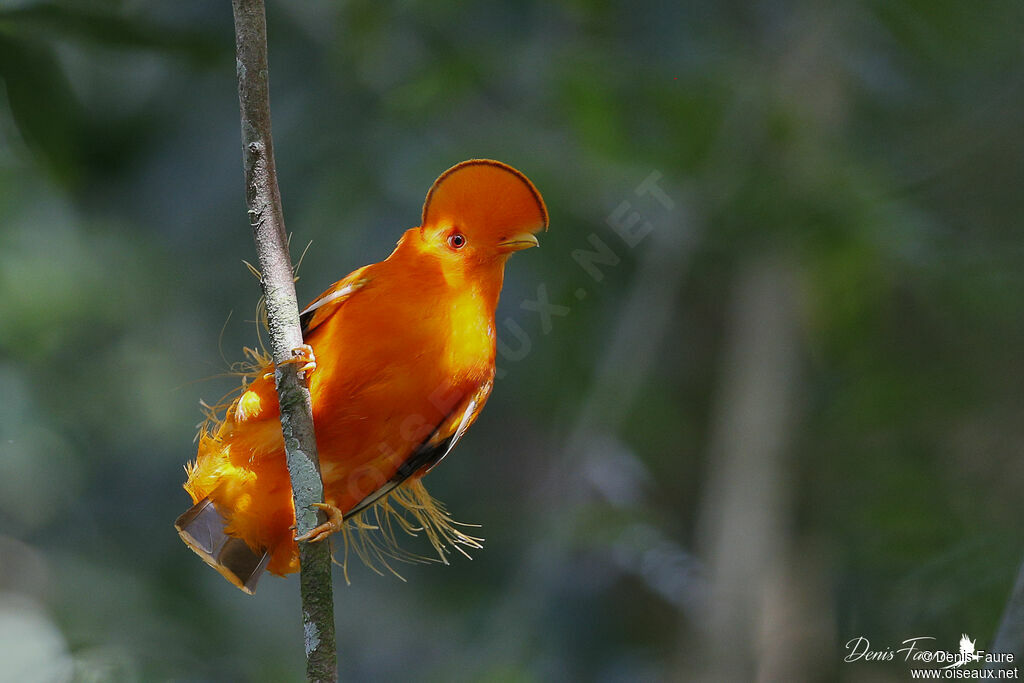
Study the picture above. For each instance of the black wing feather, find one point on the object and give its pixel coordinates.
(430, 452)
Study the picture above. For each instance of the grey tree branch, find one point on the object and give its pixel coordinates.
(745, 529)
(264, 202)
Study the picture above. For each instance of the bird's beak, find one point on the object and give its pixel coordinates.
(523, 240)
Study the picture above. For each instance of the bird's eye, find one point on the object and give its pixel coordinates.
(456, 240)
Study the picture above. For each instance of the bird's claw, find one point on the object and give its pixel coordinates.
(300, 354)
(304, 354)
(335, 522)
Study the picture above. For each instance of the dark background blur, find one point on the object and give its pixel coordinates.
(780, 410)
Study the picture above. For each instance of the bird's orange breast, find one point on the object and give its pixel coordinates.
(390, 371)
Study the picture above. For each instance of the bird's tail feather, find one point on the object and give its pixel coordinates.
(202, 529)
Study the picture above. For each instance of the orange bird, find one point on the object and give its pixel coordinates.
(404, 362)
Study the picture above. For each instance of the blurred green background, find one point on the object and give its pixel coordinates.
(780, 410)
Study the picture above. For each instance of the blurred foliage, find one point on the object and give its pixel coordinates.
(878, 144)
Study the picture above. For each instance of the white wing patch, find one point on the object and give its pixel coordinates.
(334, 296)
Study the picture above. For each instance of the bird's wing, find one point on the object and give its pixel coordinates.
(327, 304)
(447, 434)
(435, 447)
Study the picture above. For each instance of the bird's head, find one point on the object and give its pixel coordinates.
(479, 212)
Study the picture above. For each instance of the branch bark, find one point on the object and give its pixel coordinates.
(264, 203)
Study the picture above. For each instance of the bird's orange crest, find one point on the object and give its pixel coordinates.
(485, 196)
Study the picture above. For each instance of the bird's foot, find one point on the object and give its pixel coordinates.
(300, 354)
(304, 354)
(335, 522)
